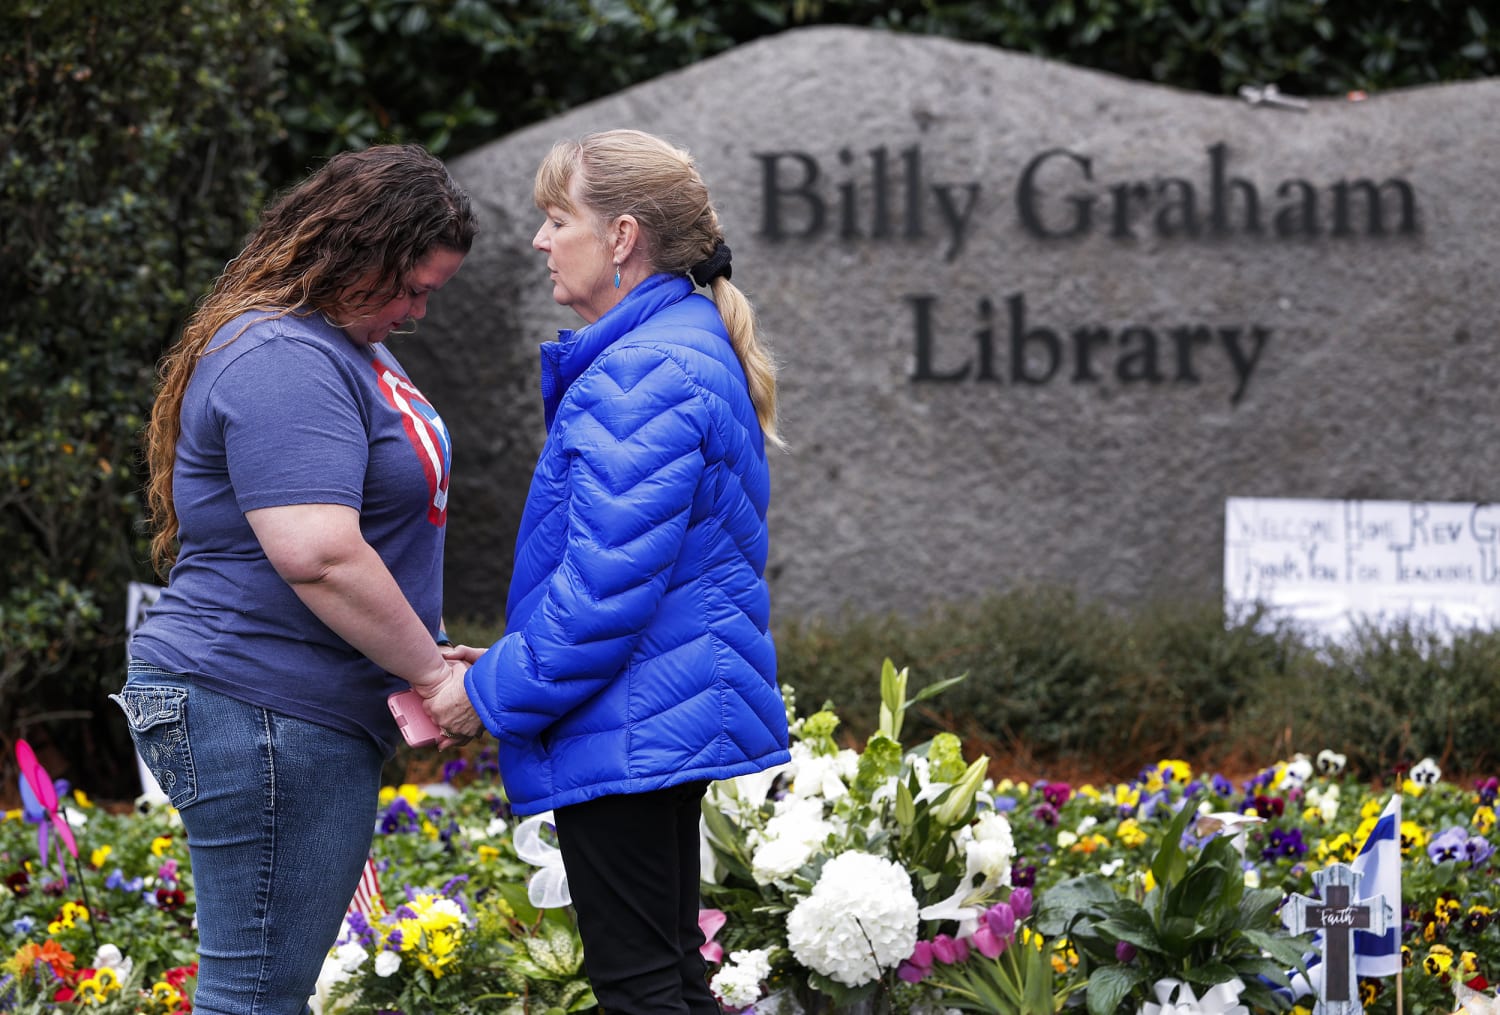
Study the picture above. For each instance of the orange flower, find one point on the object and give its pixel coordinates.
(50, 952)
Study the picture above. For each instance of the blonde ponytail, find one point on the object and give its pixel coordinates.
(755, 360)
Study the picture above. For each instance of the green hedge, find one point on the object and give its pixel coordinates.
(1055, 680)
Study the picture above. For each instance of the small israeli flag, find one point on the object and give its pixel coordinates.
(1379, 863)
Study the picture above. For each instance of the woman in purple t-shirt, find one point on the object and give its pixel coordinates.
(298, 493)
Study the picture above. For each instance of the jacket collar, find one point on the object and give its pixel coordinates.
(564, 360)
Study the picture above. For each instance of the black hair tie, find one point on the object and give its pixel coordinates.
(712, 266)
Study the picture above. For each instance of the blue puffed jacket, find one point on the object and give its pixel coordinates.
(637, 652)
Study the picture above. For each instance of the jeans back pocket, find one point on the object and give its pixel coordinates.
(157, 714)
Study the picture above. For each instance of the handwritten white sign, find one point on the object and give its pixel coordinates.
(1328, 564)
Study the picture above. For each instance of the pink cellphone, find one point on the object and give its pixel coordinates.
(416, 725)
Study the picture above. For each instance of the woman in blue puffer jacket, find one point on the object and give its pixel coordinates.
(637, 663)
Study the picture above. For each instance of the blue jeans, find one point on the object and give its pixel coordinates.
(279, 814)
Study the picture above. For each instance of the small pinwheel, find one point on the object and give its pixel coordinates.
(39, 799)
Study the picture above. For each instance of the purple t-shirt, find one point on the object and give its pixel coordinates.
(293, 412)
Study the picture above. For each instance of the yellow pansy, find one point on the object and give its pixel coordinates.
(98, 856)
(1088, 790)
(1413, 837)
(1484, 820)
(160, 844)
(1439, 959)
(1340, 848)
(95, 989)
(1130, 833)
(487, 854)
(1180, 771)
(81, 798)
(68, 918)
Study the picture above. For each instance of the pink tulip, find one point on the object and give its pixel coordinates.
(987, 942)
(915, 967)
(1000, 919)
(921, 955)
(943, 950)
(908, 972)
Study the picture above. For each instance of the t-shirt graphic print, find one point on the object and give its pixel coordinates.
(425, 429)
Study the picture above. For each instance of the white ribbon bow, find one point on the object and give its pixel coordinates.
(1177, 998)
(548, 887)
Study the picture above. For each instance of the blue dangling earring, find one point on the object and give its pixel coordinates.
(617, 276)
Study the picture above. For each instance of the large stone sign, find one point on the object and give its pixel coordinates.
(1035, 323)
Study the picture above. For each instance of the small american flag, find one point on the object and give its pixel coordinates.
(367, 898)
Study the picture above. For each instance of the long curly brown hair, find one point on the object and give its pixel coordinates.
(347, 236)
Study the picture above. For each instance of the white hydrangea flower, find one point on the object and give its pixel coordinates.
(350, 956)
(780, 858)
(860, 919)
(386, 963)
(789, 840)
(738, 983)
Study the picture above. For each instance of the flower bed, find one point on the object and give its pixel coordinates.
(897, 878)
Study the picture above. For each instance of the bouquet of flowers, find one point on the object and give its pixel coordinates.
(455, 929)
(828, 868)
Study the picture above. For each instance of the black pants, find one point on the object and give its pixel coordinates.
(632, 864)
